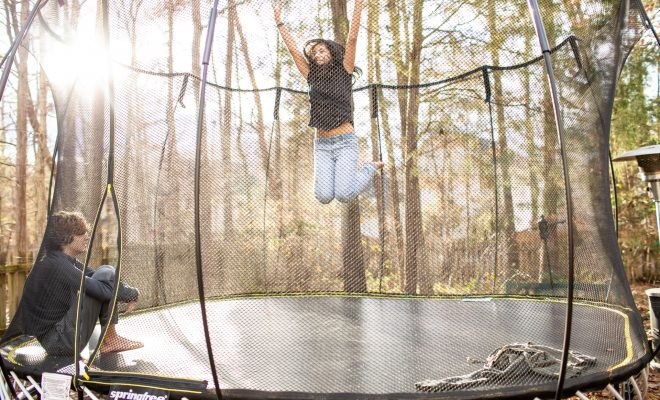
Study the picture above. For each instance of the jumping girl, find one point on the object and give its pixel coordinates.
(328, 68)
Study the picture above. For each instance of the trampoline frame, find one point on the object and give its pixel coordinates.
(623, 370)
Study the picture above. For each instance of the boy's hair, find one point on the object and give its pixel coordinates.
(62, 227)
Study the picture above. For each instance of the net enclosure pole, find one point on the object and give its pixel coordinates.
(11, 54)
(7, 62)
(208, 44)
(545, 48)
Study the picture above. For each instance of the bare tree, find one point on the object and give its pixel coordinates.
(400, 56)
(374, 51)
(372, 65)
(43, 157)
(166, 209)
(352, 254)
(505, 156)
(226, 124)
(5, 225)
(21, 142)
(92, 140)
(260, 125)
(413, 212)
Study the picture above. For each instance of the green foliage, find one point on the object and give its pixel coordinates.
(635, 122)
(636, 109)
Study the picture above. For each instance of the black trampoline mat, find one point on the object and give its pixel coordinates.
(332, 344)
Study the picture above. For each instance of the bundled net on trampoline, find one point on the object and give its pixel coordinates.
(448, 276)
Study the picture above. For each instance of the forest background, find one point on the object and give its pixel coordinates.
(27, 138)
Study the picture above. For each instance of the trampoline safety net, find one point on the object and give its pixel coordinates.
(200, 185)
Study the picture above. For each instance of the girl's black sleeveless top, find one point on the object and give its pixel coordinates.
(330, 95)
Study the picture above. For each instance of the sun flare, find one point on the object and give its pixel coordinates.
(84, 63)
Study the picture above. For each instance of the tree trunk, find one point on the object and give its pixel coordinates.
(5, 234)
(260, 125)
(195, 67)
(394, 191)
(394, 195)
(372, 67)
(93, 171)
(43, 159)
(352, 255)
(414, 233)
(21, 145)
(508, 225)
(277, 187)
(275, 169)
(298, 277)
(339, 20)
(400, 58)
(531, 146)
(167, 198)
(225, 136)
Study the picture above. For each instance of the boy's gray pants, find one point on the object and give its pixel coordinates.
(59, 341)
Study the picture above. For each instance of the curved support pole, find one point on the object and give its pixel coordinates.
(11, 54)
(545, 47)
(198, 157)
(9, 60)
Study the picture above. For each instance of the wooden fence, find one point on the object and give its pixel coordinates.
(12, 279)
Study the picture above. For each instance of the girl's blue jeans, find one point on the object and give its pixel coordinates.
(337, 175)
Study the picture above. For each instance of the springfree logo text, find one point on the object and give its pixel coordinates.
(130, 395)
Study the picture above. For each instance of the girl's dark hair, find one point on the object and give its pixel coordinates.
(336, 50)
(62, 227)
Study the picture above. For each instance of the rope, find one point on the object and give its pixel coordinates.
(616, 216)
(276, 119)
(571, 40)
(160, 292)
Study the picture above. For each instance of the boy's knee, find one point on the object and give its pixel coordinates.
(104, 272)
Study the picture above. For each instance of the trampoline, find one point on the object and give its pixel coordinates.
(489, 229)
(330, 346)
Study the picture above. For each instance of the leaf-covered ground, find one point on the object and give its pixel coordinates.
(642, 302)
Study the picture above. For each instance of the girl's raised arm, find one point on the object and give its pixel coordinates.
(351, 41)
(290, 42)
